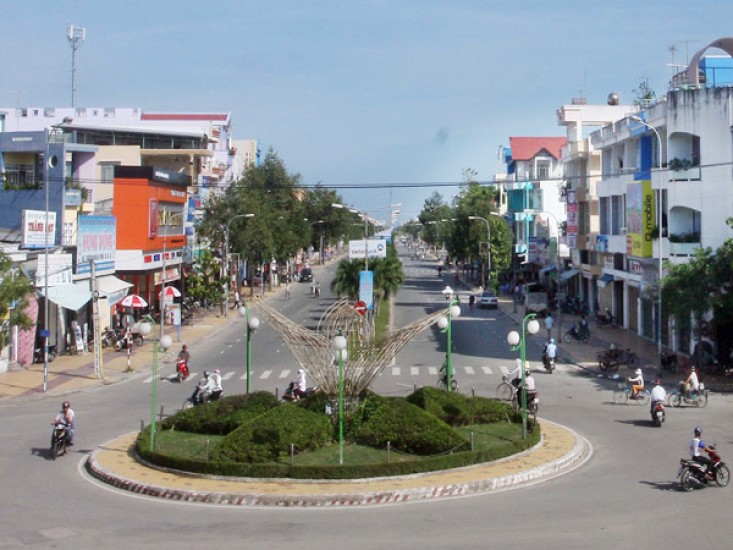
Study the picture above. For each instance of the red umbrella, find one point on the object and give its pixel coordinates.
(171, 292)
(133, 300)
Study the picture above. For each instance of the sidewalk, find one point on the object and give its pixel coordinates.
(560, 451)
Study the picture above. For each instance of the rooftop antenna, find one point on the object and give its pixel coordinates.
(76, 36)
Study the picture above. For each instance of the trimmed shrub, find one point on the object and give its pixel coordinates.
(457, 409)
(269, 436)
(409, 428)
(222, 416)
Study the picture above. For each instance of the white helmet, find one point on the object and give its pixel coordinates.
(637, 371)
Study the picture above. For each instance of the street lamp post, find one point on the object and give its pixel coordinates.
(253, 324)
(445, 324)
(226, 258)
(660, 267)
(320, 249)
(339, 344)
(531, 326)
(147, 327)
(488, 249)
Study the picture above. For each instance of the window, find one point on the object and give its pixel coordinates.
(107, 171)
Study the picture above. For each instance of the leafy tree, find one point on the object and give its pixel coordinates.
(15, 288)
(388, 276)
(204, 283)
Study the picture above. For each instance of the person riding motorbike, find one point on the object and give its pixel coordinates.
(183, 355)
(216, 381)
(697, 446)
(529, 385)
(690, 384)
(550, 353)
(203, 389)
(66, 416)
(300, 387)
(658, 395)
(637, 383)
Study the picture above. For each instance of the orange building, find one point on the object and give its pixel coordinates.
(149, 205)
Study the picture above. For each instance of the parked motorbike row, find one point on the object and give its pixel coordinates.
(118, 338)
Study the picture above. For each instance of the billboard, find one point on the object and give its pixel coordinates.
(366, 288)
(96, 240)
(377, 249)
(640, 216)
(34, 221)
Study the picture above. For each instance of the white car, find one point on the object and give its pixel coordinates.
(488, 299)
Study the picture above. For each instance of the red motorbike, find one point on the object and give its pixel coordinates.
(693, 474)
(181, 370)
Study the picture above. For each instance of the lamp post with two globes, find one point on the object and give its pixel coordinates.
(445, 324)
(147, 327)
(529, 325)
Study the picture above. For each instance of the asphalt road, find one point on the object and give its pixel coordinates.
(624, 496)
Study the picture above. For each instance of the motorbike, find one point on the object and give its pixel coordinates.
(698, 398)
(668, 361)
(198, 399)
(605, 319)
(135, 337)
(110, 336)
(548, 363)
(657, 413)
(38, 354)
(58, 440)
(290, 395)
(693, 474)
(181, 370)
(581, 334)
(613, 357)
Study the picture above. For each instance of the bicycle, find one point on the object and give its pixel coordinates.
(443, 380)
(622, 395)
(505, 391)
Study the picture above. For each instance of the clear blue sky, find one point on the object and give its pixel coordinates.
(357, 92)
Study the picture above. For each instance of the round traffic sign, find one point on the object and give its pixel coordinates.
(360, 307)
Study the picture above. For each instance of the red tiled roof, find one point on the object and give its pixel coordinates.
(183, 116)
(526, 148)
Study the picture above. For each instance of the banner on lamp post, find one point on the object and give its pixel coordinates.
(366, 288)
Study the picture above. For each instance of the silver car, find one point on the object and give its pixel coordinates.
(488, 300)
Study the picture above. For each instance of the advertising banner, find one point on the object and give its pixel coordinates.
(366, 288)
(97, 240)
(34, 222)
(640, 216)
(377, 249)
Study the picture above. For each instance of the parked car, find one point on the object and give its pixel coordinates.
(488, 299)
(306, 275)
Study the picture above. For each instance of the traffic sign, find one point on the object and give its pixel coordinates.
(360, 307)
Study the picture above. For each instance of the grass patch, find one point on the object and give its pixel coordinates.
(489, 436)
(185, 444)
(353, 454)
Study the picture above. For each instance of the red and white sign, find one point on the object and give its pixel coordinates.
(360, 307)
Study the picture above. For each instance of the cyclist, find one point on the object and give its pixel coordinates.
(637, 383)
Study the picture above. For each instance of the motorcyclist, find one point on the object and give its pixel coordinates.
(529, 385)
(636, 382)
(200, 393)
(183, 355)
(67, 417)
(550, 352)
(300, 384)
(440, 270)
(691, 384)
(697, 446)
(658, 395)
(216, 381)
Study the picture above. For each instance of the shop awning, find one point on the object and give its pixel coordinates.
(72, 297)
(567, 275)
(113, 288)
(604, 279)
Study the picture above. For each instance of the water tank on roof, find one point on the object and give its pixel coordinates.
(613, 98)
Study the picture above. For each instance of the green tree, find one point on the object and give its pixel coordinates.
(15, 288)
(388, 276)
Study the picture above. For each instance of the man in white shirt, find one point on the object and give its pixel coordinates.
(300, 384)
(691, 383)
(659, 394)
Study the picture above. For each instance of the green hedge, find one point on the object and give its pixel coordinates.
(407, 427)
(361, 471)
(269, 436)
(222, 416)
(457, 409)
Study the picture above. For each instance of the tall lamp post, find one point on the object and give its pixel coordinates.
(147, 327)
(339, 344)
(253, 324)
(644, 123)
(529, 325)
(226, 258)
(320, 249)
(445, 324)
(488, 248)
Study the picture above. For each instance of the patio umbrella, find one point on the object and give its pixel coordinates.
(133, 300)
(171, 292)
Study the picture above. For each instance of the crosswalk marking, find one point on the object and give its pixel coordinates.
(414, 371)
(395, 371)
(504, 370)
(285, 373)
(265, 374)
(487, 370)
(433, 371)
(228, 375)
(469, 370)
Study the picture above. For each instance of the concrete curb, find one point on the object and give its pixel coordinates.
(581, 451)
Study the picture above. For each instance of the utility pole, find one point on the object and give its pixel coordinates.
(76, 36)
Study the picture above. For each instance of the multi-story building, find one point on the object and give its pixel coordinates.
(533, 203)
(665, 190)
(581, 172)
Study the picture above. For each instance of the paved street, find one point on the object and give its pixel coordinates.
(628, 484)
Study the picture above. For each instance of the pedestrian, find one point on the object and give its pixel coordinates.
(236, 299)
(549, 322)
(287, 290)
(471, 301)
